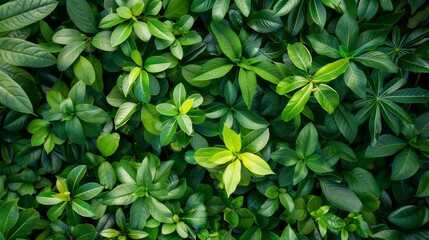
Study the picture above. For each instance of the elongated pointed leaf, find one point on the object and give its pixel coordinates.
(232, 176)
(355, 79)
(75, 176)
(121, 33)
(405, 165)
(296, 19)
(212, 69)
(84, 71)
(247, 83)
(228, 41)
(22, 53)
(387, 145)
(83, 208)
(124, 113)
(409, 95)
(26, 222)
(317, 12)
(244, 6)
(327, 97)
(300, 56)
(159, 30)
(414, 63)
(159, 211)
(219, 9)
(10, 215)
(13, 96)
(255, 164)
(347, 30)
(325, 44)
(88, 191)
(306, 141)
(331, 71)
(409, 217)
(283, 7)
(20, 13)
(69, 54)
(290, 84)
(264, 21)
(231, 139)
(362, 182)
(297, 103)
(376, 59)
(156, 64)
(203, 156)
(121, 195)
(346, 123)
(81, 14)
(168, 130)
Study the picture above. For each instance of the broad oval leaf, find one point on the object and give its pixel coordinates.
(300, 56)
(22, 53)
(157, 64)
(101, 40)
(255, 164)
(327, 97)
(20, 13)
(84, 71)
(264, 21)
(232, 176)
(244, 6)
(69, 54)
(121, 33)
(228, 41)
(386, 145)
(13, 96)
(159, 30)
(340, 196)
(376, 59)
(409, 217)
(405, 165)
(80, 13)
(83, 208)
(124, 113)
(212, 69)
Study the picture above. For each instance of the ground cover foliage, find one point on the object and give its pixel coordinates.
(214, 119)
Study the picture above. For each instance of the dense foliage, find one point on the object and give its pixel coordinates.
(214, 119)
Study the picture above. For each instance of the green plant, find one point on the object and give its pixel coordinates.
(214, 119)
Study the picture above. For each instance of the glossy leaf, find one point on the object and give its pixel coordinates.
(80, 13)
(297, 103)
(231, 176)
(13, 96)
(22, 53)
(228, 41)
(340, 196)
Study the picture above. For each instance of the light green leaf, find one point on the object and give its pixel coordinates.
(300, 56)
(290, 84)
(247, 82)
(121, 33)
(222, 157)
(159, 211)
(297, 103)
(88, 191)
(17, 14)
(176, 9)
(231, 139)
(167, 109)
(340, 196)
(219, 9)
(124, 113)
(69, 54)
(84, 71)
(106, 175)
(22, 53)
(91, 114)
(405, 165)
(121, 195)
(255, 164)
(203, 156)
(185, 123)
(13, 96)
(331, 71)
(101, 40)
(82, 208)
(48, 198)
(66, 36)
(157, 64)
(228, 41)
(283, 7)
(212, 69)
(108, 143)
(81, 14)
(169, 128)
(327, 97)
(244, 6)
(232, 176)
(159, 30)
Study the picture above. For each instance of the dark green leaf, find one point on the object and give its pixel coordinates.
(347, 30)
(22, 53)
(80, 13)
(387, 145)
(283, 7)
(300, 56)
(212, 69)
(28, 219)
(362, 182)
(228, 41)
(263, 21)
(327, 97)
(376, 59)
(317, 12)
(69, 54)
(75, 176)
(340, 196)
(405, 165)
(409, 217)
(13, 96)
(10, 215)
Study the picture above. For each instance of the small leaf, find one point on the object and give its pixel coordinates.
(108, 143)
(156, 64)
(84, 71)
(13, 96)
(247, 82)
(75, 176)
(82, 208)
(255, 164)
(212, 69)
(423, 188)
(283, 7)
(297, 103)
(264, 21)
(69, 54)
(124, 113)
(121, 33)
(307, 141)
(231, 139)
(168, 130)
(244, 6)
(232, 176)
(87, 191)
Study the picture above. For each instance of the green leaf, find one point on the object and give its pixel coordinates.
(121, 195)
(269, 207)
(405, 165)
(317, 12)
(106, 175)
(300, 56)
(355, 79)
(283, 7)
(126, 172)
(84, 231)
(102, 41)
(331, 71)
(84, 71)
(176, 9)
(386, 145)
(156, 64)
(124, 113)
(80, 13)
(82, 208)
(267, 71)
(244, 6)
(414, 63)
(256, 140)
(255, 164)
(48, 198)
(121, 33)
(347, 30)
(289, 234)
(205, 156)
(169, 128)
(247, 82)
(69, 54)
(10, 215)
(297, 103)
(264, 21)
(13, 96)
(376, 59)
(18, 14)
(219, 9)
(296, 18)
(22, 53)
(56, 211)
(27, 221)
(423, 188)
(185, 123)
(108, 143)
(159, 211)
(362, 182)
(202, 5)
(327, 97)
(88, 191)
(290, 84)
(232, 176)
(409, 95)
(340, 196)
(346, 123)
(228, 41)
(231, 139)
(75, 131)
(66, 36)
(325, 44)
(167, 109)
(212, 69)
(316, 164)
(159, 30)
(75, 176)
(409, 217)
(307, 141)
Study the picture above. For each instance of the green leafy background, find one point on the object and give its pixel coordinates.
(214, 119)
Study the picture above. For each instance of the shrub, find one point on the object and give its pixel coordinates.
(214, 119)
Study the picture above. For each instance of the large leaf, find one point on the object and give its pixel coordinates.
(347, 30)
(362, 182)
(327, 97)
(20, 13)
(231, 139)
(13, 96)
(121, 195)
(27, 221)
(283, 7)
(405, 165)
(297, 103)
(247, 82)
(387, 145)
(317, 12)
(346, 123)
(255, 164)
(82, 208)
(409, 95)
(10, 215)
(22, 53)
(376, 59)
(414, 63)
(80, 13)
(159, 30)
(219, 9)
(124, 113)
(232, 176)
(324, 44)
(355, 79)
(300, 56)
(75, 176)
(264, 21)
(69, 54)
(121, 33)
(228, 41)
(340, 196)
(244, 6)
(409, 217)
